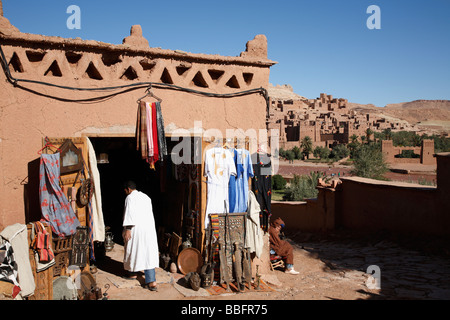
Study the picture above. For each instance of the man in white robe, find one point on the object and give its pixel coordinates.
(141, 244)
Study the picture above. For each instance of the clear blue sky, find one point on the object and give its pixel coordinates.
(320, 45)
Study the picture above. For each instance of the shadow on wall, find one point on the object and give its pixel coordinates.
(31, 193)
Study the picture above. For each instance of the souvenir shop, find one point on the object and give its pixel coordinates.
(210, 217)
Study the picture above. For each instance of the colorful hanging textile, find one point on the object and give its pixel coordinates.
(150, 134)
(141, 131)
(55, 207)
(161, 132)
(262, 186)
(238, 186)
(42, 244)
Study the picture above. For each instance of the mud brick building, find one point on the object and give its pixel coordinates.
(53, 89)
(326, 120)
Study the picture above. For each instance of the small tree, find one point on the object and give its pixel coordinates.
(307, 146)
(297, 152)
(321, 152)
(387, 134)
(369, 133)
(290, 155)
(304, 187)
(353, 144)
(340, 151)
(278, 182)
(369, 162)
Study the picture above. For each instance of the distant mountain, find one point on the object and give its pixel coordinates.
(425, 114)
(283, 92)
(430, 114)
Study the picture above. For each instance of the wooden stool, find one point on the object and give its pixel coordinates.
(276, 262)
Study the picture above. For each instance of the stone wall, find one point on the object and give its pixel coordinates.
(312, 215)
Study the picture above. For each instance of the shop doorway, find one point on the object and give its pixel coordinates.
(117, 162)
(173, 189)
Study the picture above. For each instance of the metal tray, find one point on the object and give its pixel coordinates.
(190, 260)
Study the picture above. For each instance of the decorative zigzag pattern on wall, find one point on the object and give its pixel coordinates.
(117, 66)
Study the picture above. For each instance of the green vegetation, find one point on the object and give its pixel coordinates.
(365, 155)
(369, 162)
(278, 182)
(307, 146)
(411, 139)
(304, 187)
(408, 154)
(321, 153)
(339, 152)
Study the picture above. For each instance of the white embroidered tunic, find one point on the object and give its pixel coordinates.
(219, 166)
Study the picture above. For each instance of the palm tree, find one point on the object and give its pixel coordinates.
(369, 133)
(307, 146)
(354, 144)
(387, 134)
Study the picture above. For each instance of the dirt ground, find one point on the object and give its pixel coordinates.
(330, 268)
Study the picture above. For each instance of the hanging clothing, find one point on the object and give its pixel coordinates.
(262, 186)
(253, 233)
(219, 166)
(141, 131)
(238, 186)
(17, 236)
(98, 226)
(232, 184)
(150, 133)
(154, 130)
(149, 121)
(55, 207)
(161, 132)
(141, 251)
(8, 265)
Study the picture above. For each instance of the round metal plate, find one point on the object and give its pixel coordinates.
(189, 260)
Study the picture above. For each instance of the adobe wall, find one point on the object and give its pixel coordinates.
(312, 215)
(443, 176)
(367, 205)
(370, 205)
(29, 114)
(426, 152)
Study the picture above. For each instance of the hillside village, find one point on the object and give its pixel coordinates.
(329, 121)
